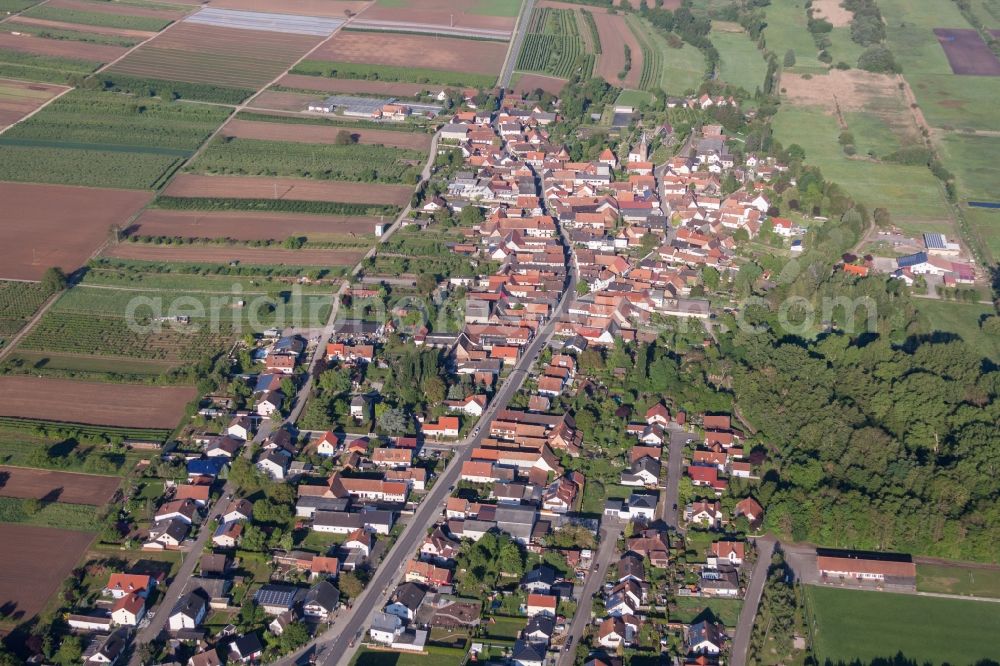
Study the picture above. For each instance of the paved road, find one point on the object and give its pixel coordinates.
(675, 458)
(751, 601)
(606, 553)
(515, 44)
(333, 646)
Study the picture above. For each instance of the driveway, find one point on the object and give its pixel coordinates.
(751, 601)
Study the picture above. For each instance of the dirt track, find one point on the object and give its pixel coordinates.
(299, 189)
(300, 133)
(34, 561)
(64, 225)
(94, 403)
(56, 486)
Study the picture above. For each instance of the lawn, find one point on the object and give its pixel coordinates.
(633, 98)
(741, 62)
(438, 656)
(958, 579)
(726, 610)
(912, 195)
(505, 627)
(963, 319)
(852, 624)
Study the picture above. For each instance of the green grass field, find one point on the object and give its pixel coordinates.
(48, 69)
(985, 224)
(973, 161)
(786, 29)
(963, 319)
(911, 193)
(741, 62)
(988, 11)
(850, 624)
(946, 100)
(727, 610)
(633, 98)
(958, 579)
(673, 70)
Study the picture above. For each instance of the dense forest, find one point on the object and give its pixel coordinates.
(884, 439)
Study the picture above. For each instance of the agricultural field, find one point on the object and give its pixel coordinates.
(528, 83)
(972, 158)
(138, 325)
(354, 54)
(123, 143)
(854, 624)
(675, 70)
(615, 35)
(356, 86)
(47, 69)
(956, 578)
(912, 195)
(94, 403)
(210, 63)
(740, 61)
(51, 486)
(946, 100)
(103, 14)
(66, 225)
(498, 15)
(253, 226)
(370, 196)
(59, 48)
(356, 163)
(327, 133)
(320, 8)
(33, 564)
(985, 224)
(18, 302)
(224, 254)
(554, 45)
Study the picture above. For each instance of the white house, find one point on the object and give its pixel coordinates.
(270, 403)
(129, 610)
(188, 612)
(385, 627)
(327, 446)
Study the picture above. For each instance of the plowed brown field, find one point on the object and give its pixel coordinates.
(615, 34)
(299, 133)
(94, 403)
(19, 98)
(53, 486)
(296, 189)
(425, 51)
(34, 561)
(58, 225)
